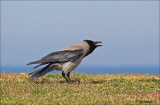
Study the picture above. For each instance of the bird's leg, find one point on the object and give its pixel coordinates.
(63, 74)
(68, 76)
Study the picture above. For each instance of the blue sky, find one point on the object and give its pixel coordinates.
(129, 30)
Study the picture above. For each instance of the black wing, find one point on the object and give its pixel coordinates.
(62, 56)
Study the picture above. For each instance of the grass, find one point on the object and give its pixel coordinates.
(52, 89)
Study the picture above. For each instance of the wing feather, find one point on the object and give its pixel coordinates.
(62, 56)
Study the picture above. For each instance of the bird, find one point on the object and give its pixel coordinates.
(65, 60)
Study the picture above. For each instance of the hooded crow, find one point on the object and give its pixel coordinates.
(65, 60)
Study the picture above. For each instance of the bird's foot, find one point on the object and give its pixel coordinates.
(73, 81)
(70, 81)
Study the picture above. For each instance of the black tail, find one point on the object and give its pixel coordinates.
(41, 72)
(38, 65)
(34, 62)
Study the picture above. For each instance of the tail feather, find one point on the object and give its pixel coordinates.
(31, 73)
(41, 72)
(38, 65)
(34, 62)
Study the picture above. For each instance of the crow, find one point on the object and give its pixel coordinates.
(65, 60)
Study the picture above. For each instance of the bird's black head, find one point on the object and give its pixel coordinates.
(93, 45)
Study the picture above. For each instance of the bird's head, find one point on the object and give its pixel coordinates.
(93, 45)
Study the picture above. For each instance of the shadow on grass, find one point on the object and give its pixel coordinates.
(42, 81)
(46, 81)
(97, 82)
(143, 101)
(75, 81)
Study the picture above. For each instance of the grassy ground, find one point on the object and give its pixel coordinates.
(121, 89)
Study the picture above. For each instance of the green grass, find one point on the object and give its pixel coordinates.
(120, 89)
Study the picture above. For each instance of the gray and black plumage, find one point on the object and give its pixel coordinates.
(65, 60)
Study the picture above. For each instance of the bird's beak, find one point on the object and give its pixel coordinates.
(96, 42)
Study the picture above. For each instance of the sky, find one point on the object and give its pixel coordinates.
(129, 31)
